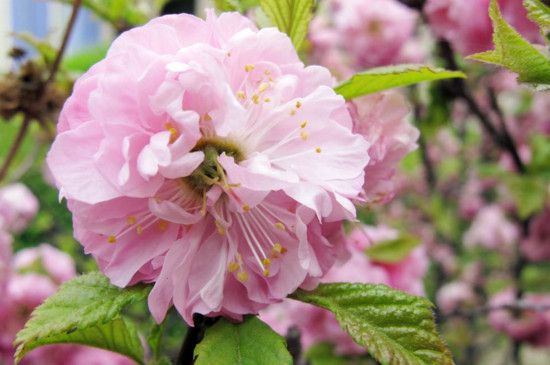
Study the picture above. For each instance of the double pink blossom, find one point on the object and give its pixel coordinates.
(381, 119)
(203, 156)
(18, 206)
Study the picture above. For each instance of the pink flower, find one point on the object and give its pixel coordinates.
(380, 118)
(491, 230)
(18, 206)
(318, 325)
(375, 33)
(204, 156)
(532, 326)
(536, 247)
(453, 295)
(59, 266)
(5, 259)
(447, 19)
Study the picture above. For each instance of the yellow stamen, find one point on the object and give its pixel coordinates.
(221, 229)
(139, 229)
(131, 219)
(293, 112)
(263, 87)
(280, 226)
(207, 117)
(304, 135)
(112, 239)
(256, 99)
(240, 94)
(173, 134)
(228, 54)
(271, 79)
(162, 225)
(303, 125)
(248, 67)
(242, 276)
(266, 262)
(268, 72)
(246, 207)
(233, 266)
(267, 100)
(284, 250)
(266, 273)
(298, 104)
(318, 150)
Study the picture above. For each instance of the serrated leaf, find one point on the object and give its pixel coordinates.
(383, 78)
(529, 193)
(538, 12)
(392, 251)
(395, 327)
(246, 343)
(84, 310)
(514, 52)
(290, 16)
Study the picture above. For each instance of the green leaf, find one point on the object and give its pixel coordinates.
(538, 12)
(228, 5)
(397, 328)
(47, 52)
(290, 16)
(529, 193)
(383, 78)
(247, 343)
(540, 154)
(392, 251)
(515, 53)
(85, 311)
(324, 354)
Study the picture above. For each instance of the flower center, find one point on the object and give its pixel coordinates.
(210, 172)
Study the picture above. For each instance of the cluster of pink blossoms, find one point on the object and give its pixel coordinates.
(467, 26)
(348, 35)
(204, 157)
(27, 278)
(317, 325)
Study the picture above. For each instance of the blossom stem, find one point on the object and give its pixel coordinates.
(193, 336)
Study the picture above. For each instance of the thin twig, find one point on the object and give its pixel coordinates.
(57, 62)
(15, 146)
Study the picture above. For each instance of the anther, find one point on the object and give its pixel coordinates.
(246, 207)
(268, 72)
(298, 104)
(131, 219)
(280, 226)
(240, 94)
(303, 125)
(256, 99)
(162, 224)
(304, 135)
(233, 266)
(139, 229)
(263, 87)
(266, 262)
(267, 100)
(293, 112)
(207, 117)
(112, 239)
(318, 150)
(248, 67)
(266, 273)
(242, 276)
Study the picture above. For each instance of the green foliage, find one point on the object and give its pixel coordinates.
(235, 5)
(122, 14)
(323, 354)
(515, 53)
(540, 148)
(82, 61)
(392, 251)
(397, 328)
(85, 310)
(247, 343)
(529, 193)
(47, 52)
(389, 77)
(538, 12)
(290, 16)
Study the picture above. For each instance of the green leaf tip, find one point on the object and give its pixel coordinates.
(395, 327)
(290, 16)
(383, 78)
(246, 343)
(514, 52)
(392, 251)
(85, 310)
